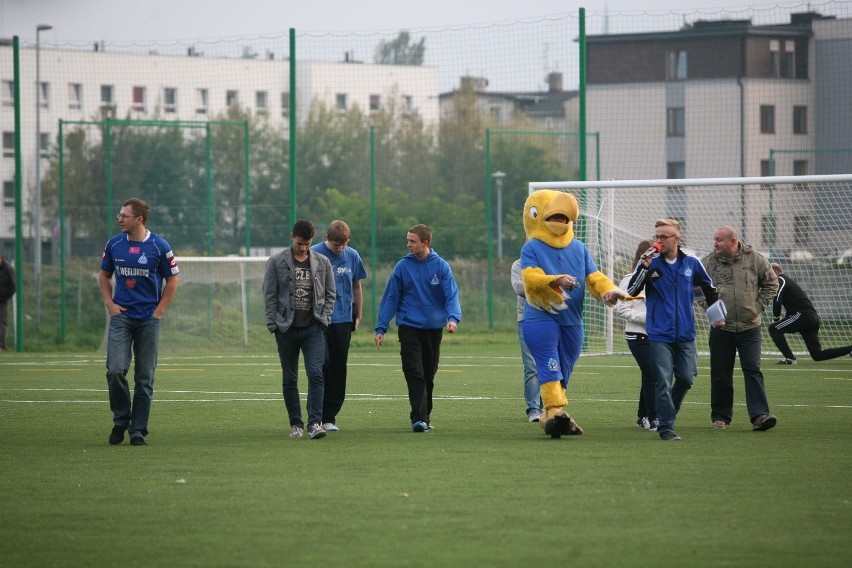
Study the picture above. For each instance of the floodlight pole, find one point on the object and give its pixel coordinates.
(37, 206)
(498, 179)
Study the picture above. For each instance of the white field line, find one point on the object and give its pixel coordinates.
(241, 396)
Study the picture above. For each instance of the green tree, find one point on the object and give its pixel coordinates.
(401, 51)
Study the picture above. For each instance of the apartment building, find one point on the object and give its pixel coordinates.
(82, 85)
(728, 99)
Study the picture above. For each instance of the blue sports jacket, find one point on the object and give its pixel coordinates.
(670, 290)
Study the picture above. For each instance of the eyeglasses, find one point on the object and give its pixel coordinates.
(121, 216)
(663, 237)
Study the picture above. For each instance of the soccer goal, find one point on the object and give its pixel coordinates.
(802, 222)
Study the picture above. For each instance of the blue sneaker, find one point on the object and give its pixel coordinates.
(419, 426)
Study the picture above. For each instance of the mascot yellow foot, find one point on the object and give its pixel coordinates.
(556, 421)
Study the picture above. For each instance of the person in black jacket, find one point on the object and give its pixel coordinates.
(800, 317)
(7, 290)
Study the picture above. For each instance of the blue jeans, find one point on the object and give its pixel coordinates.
(724, 346)
(676, 368)
(311, 341)
(532, 391)
(143, 338)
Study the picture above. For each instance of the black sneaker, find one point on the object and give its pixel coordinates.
(763, 422)
(117, 435)
(787, 362)
(669, 436)
(138, 441)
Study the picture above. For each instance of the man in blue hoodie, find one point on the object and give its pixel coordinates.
(669, 279)
(424, 297)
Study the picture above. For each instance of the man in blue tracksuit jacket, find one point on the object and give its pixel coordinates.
(423, 295)
(669, 279)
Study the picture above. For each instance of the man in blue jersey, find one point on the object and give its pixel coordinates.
(669, 280)
(141, 262)
(345, 318)
(424, 297)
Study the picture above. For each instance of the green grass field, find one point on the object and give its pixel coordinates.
(221, 484)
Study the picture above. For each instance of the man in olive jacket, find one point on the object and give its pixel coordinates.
(746, 283)
(299, 293)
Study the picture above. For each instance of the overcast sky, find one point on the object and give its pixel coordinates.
(142, 20)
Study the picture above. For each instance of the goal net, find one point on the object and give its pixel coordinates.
(802, 222)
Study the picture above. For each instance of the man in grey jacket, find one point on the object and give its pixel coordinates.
(747, 284)
(299, 293)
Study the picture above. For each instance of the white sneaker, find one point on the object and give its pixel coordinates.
(297, 432)
(534, 416)
(330, 427)
(643, 423)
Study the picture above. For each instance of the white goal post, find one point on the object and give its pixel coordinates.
(802, 222)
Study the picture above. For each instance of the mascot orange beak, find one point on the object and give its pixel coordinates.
(560, 213)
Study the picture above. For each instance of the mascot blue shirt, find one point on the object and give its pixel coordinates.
(574, 260)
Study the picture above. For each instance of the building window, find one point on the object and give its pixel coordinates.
(800, 167)
(260, 98)
(285, 105)
(407, 103)
(75, 96)
(801, 229)
(800, 120)
(496, 114)
(44, 144)
(107, 94)
(676, 170)
(375, 102)
(44, 95)
(138, 99)
(788, 60)
(201, 101)
(8, 95)
(765, 171)
(767, 119)
(675, 65)
(782, 58)
(232, 98)
(169, 99)
(340, 102)
(764, 230)
(675, 121)
(8, 144)
(9, 193)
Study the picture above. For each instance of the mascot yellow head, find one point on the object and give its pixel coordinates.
(549, 217)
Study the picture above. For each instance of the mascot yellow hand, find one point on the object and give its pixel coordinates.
(599, 284)
(539, 290)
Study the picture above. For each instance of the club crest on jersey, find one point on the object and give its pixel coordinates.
(143, 259)
(688, 272)
(435, 281)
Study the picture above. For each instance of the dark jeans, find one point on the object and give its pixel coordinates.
(420, 350)
(337, 339)
(4, 322)
(675, 369)
(142, 338)
(724, 347)
(807, 324)
(311, 341)
(641, 350)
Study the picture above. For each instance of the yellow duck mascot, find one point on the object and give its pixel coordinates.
(556, 269)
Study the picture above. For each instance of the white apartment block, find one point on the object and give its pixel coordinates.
(78, 85)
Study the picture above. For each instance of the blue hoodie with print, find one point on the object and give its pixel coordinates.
(421, 293)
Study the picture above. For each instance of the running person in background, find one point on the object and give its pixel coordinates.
(345, 318)
(801, 318)
(140, 261)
